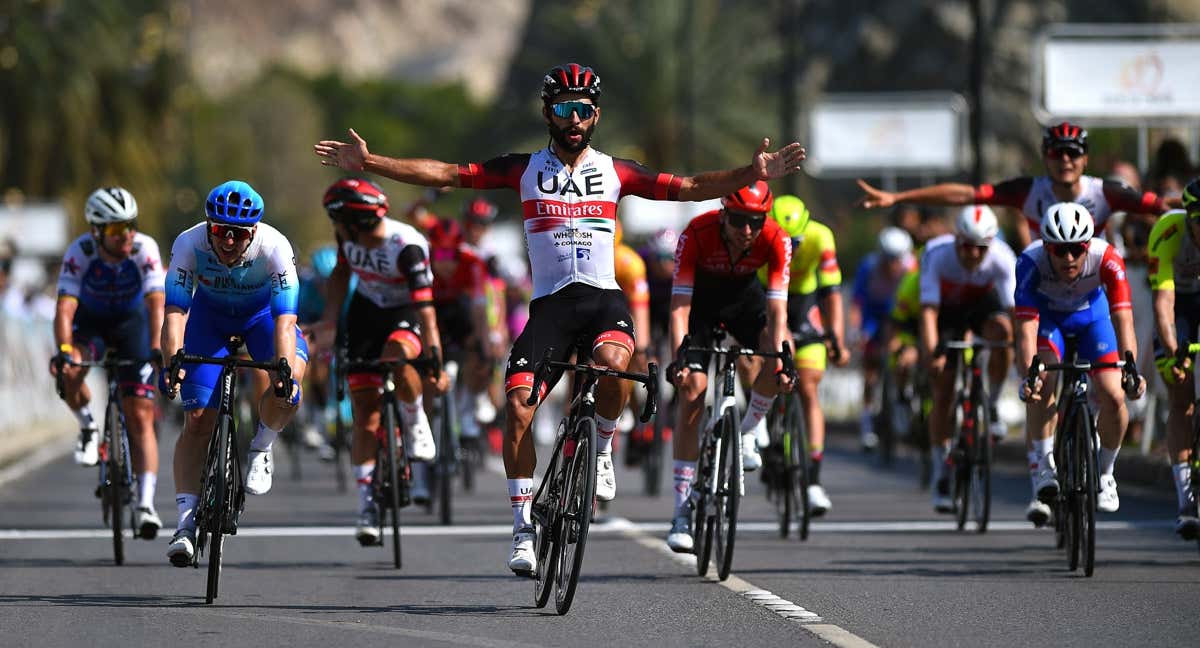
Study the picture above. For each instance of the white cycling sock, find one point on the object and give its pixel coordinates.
(146, 483)
(520, 494)
(755, 411)
(84, 415)
(605, 429)
(1108, 460)
(1183, 484)
(684, 472)
(263, 438)
(362, 476)
(186, 504)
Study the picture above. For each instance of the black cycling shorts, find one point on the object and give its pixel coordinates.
(956, 321)
(740, 306)
(129, 335)
(370, 327)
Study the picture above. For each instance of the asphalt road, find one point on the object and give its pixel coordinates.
(882, 568)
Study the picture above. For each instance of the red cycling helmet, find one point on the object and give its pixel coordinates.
(753, 199)
(444, 233)
(480, 210)
(1065, 136)
(356, 202)
(571, 77)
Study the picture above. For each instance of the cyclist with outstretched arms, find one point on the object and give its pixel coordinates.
(966, 282)
(569, 195)
(1065, 155)
(814, 306)
(110, 294)
(716, 283)
(1175, 279)
(1069, 284)
(875, 283)
(231, 275)
(390, 315)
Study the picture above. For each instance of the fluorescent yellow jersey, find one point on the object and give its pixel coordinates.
(1174, 255)
(631, 275)
(814, 262)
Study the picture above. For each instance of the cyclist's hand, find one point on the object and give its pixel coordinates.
(168, 384)
(349, 156)
(1031, 391)
(677, 373)
(874, 197)
(1139, 389)
(778, 164)
(59, 362)
(786, 382)
(440, 381)
(840, 356)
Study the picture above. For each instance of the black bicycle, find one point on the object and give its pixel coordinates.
(720, 483)
(785, 459)
(391, 481)
(1075, 449)
(971, 453)
(222, 491)
(565, 501)
(115, 486)
(448, 461)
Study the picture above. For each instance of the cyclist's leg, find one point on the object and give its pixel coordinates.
(1041, 418)
(274, 412)
(746, 319)
(810, 364)
(1098, 343)
(610, 325)
(685, 441)
(997, 327)
(76, 393)
(870, 368)
(131, 338)
(1182, 396)
(405, 342)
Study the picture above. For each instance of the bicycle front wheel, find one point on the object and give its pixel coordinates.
(981, 472)
(546, 519)
(392, 473)
(730, 482)
(447, 449)
(964, 449)
(215, 520)
(1088, 471)
(798, 463)
(579, 497)
(114, 481)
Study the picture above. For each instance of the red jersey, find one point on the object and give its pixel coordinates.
(701, 252)
(469, 278)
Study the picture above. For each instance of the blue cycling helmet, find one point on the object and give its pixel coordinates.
(324, 259)
(234, 203)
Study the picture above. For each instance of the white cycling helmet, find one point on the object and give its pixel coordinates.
(1067, 222)
(894, 242)
(110, 205)
(976, 224)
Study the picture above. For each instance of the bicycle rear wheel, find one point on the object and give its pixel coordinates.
(391, 472)
(1088, 471)
(215, 518)
(963, 462)
(1072, 523)
(702, 522)
(578, 500)
(114, 486)
(888, 423)
(777, 474)
(653, 461)
(446, 460)
(798, 463)
(730, 482)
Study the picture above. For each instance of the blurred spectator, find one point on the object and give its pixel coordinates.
(1172, 168)
(12, 302)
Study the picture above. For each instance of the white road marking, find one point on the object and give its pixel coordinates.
(600, 526)
(807, 619)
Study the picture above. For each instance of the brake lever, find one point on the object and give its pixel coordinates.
(283, 373)
(651, 406)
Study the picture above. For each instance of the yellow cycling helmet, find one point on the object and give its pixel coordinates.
(791, 214)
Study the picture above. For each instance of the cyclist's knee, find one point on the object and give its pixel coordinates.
(611, 355)
(515, 408)
(694, 385)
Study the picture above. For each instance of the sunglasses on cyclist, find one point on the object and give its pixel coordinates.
(563, 109)
(1062, 250)
(119, 229)
(967, 245)
(235, 232)
(738, 220)
(1070, 151)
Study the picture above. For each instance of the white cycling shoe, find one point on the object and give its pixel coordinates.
(87, 447)
(818, 501)
(262, 468)
(1045, 484)
(182, 548)
(523, 560)
(679, 539)
(751, 460)
(1107, 500)
(1037, 512)
(420, 440)
(146, 522)
(606, 478)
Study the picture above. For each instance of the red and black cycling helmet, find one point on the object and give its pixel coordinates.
(480, 210)
(571, 77)
(444, 234)
(1065, 136)
(356, 202)
(753, 199)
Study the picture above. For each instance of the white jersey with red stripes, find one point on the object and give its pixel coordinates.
(382, 277)
(947, 284)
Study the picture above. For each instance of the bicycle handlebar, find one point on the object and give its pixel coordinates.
(1128, 367)
(648, 379)
(281, 369)
(108, 362)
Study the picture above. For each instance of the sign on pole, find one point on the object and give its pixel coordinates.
(1118, 75)
(892, 133)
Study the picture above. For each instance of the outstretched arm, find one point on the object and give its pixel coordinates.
(949, 193)
(763, 166)
(354, 156)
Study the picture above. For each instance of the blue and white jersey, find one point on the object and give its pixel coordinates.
(265, 277)
(110, 289)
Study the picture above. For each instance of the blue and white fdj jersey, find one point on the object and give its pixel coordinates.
(109, 290)
(264, 278)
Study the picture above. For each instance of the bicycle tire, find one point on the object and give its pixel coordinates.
(1074, 512)
(981, 472)
(545, 523)
(887, 420)
(339, 448)
(653, 461)
(702, 524)
(214, 520)
(1059, 506)
(730, 483)
(446, 460)
(1089, 470)
(779, 479)
(579, 498)
(391, 470)
(798, 442)
(114, 497)
(963, 449)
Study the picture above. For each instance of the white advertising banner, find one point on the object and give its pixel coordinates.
(850, 134)
(1121, 78)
